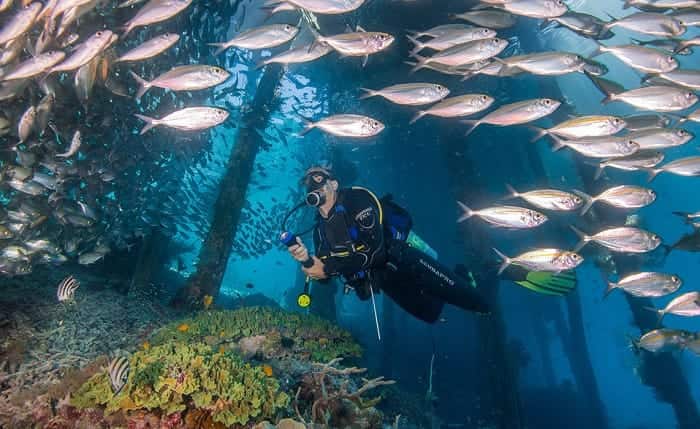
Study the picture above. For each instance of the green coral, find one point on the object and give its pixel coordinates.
(312, 336)
(168, 376)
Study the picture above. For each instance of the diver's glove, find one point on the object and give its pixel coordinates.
(557, 284)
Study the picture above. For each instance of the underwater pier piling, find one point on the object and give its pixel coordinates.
(216, 249)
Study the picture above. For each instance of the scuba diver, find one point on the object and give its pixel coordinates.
(369, 243)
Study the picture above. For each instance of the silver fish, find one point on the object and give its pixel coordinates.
(548, 199)
(452, 39)
(658, 98)
(62, 6)
(686, 78)
(638, 161)
(660, 138)
(654, 24)
(661, 4)
(410, 94)
(118, 371)
(12, 50)
(128, 3)
(85, 52)
(66, 289)
(623, 196)
(645, 59)
(89, 258)
(150, 48)
(465, 53)
(546, 63)
(671, 46)
(520, 112)
(646, 121)
(187, 119)
(184, 78)
(688, 167)
(266, 36)
(35, 66)
(462, 105)
(156, 11)
(687, 305)
(496, 19)
(302, 54)
(624, 239)
(347, 126)
(582, 23)
(358, 44)
(664, 339)
(536, 8)
(20, 23)
(689, 17)
(599, 147)
(440, 30)
(505, 216)
(647, 284)
(549, 260)
(43, 113)
(26, 124)
(583, 127)
(74, 146)
(5, 4)
(327, 7)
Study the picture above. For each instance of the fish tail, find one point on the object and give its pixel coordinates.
(583, 238)
(611, 287)
(369, 93)
(261, 64)
(512, 193)
(127, 29)
(220, 47)
(418, 45)
(506, 261)
(420, 64)
(587, 198)
(660, 314)
(628, 4)
(599, 168)
(150, 122)
(417, 116)
(559, 142)
(144, 85)
(466, 212)
(308, 126)
(541, 132)
(472, 125)
(653, 172)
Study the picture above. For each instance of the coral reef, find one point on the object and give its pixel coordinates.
(264, 330)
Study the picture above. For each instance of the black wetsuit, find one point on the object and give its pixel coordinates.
(370, 255)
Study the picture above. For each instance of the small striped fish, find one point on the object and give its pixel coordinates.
(67, 288)
(118, 373)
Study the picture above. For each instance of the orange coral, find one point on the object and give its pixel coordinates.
(183, 328)
(146, 345)
(267, 369)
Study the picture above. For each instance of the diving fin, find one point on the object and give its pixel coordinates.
(546, 283)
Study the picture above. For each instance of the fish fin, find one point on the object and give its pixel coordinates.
(472, 125)
(684, 215)
(583, 238)
(506, 261)
(587, 198)
(369, 93)
(144, 85)
(150, 122)
(599, 169)
(360, 29)
(417, 116)
(467, 212)
(364, 60)
(559, 142)
(611, 287)
(260, 65)
(418, 45)
(467, 75)
(512, 193)
(541, 132)
(628, 4)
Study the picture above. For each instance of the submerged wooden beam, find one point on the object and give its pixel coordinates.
(216, 248)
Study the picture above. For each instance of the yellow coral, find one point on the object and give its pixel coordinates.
(208, 299)
(146, 345)
(184, 327)
(267, 369)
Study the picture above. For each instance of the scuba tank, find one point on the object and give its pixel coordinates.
(418, 243)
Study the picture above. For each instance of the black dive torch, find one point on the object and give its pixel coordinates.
(289, 239)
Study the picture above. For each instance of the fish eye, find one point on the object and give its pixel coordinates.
(617, 121)
(670, 59)
(375, 124)
(675, 279)
(99, 33)
(288, 27)
(689, 95)
(655, 237)
(484, 98)
(652, 193)
(577, 200)
(547, 101)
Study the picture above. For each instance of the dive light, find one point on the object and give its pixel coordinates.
(304, 299)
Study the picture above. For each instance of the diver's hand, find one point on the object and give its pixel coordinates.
(299, 251)
(316, 271)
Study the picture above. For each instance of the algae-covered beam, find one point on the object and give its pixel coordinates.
(216, 248)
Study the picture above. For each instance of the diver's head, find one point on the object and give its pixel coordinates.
(321, 186)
